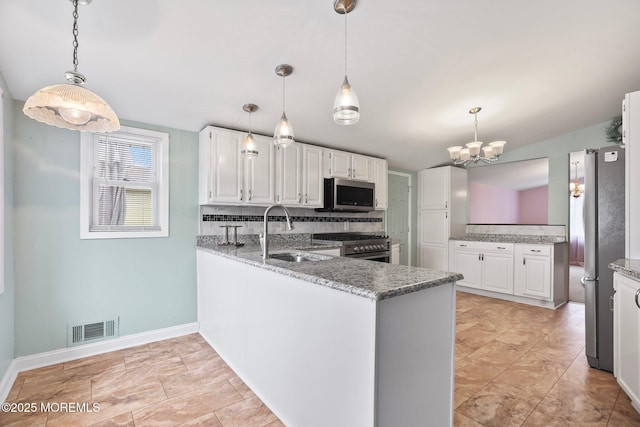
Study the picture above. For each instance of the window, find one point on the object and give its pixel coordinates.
(124, 184)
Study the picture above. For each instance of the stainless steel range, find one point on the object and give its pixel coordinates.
(374, 247)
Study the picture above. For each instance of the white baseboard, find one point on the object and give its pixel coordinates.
(34, 361)
(509, 297)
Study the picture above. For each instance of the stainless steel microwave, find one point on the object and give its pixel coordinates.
(345, 195)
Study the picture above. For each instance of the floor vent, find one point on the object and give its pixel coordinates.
(90, 332)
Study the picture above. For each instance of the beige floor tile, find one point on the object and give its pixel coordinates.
(499, 405)
(241, 387)
(187, 381)
(207, 420)
(623, 406)
(246, 413)
(496, 354)
(460, 420)
(123, 420)
(618, 419)
(188, 406)
(471, 376)
(23, 419)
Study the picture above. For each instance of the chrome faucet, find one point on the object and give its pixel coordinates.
(264, 236)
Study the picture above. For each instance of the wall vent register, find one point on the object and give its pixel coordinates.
(94, 331)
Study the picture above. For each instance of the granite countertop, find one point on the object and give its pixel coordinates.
(512, 238)
(369, 279)
(628, 267)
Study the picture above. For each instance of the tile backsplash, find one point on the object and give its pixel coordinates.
(250, 219)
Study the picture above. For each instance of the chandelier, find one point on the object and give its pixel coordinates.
(471, 154)
(71, 106)
(575, 188)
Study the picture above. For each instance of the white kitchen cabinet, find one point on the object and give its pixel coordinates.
(312, 177)
(299, 180)
(631, 140)
(289, 175)
(228, 178)
(533, 271)
(341, 164)
(626, 336)
(484, 265)
(442, 198)
(395, 254)
(381, 179)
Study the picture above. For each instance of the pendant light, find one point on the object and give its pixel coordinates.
(346, 109)
(471, 154)
(283, 135)
(575, 188)
(71, 106)
(249, 148)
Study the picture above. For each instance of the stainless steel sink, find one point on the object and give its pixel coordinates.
(299, 257)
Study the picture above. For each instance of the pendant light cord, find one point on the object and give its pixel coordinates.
(75, 36)
(475, 122)
(283, 94)
(345, 39)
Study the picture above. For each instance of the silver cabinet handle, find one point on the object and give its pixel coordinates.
(349, 172)
(536, 250)
(501, 247)
(524, 261)
(376, 202)
(241, 195)
(306, 198)
(353, 174)
(278, 196)
(637, 292)
(587, 279)
(463, 246)
(479, 257)
(250, 194)
(299, 197)
(209, 194)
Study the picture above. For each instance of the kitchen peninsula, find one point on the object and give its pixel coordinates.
(332, 340)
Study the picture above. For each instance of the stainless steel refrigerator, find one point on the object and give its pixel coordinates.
(604, 209)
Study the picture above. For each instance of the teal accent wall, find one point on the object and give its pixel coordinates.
(557, 149)
(149, 283)
(414, 213)
(7, 330)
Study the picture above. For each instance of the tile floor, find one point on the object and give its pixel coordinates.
(522, 365)
(179, 381)
(515, 365)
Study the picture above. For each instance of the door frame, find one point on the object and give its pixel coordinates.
(386, 222)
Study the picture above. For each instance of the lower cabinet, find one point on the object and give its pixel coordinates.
(529, 273)
(484, 265)
(626, 336)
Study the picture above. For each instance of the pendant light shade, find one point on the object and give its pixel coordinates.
(71, 106)
(283, 135)
(249, 147)
(346, 108)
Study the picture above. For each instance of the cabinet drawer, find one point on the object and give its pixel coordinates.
(540, 250)
(483, 246)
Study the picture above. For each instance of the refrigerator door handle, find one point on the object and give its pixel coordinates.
(587, 279)
(637, 292)
(591, 318)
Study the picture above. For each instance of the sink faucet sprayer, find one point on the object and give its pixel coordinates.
(264, 236)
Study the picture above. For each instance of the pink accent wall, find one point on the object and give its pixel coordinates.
(533, 205)
(492, 205)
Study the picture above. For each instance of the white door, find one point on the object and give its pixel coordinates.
(434, 228)
(627, 336)
(397, 219)
(381, 179)
(289, 175)
(260, 173)
(339, 164)
(361, 168)
(533, 276)
(312, 177)
(226, 160)
(433, 187)
(469, 265)
(497, 272)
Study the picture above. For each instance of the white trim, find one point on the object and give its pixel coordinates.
(509, 297)
(408, 176)
(162, 212)
(26, 363)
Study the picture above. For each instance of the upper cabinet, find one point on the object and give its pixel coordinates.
(434, 185)
(381, 179)
(225, 177)
(292, 176)
(340, 164)
(299, 181)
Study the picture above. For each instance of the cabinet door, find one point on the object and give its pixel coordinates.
(227, 167)
(339, 164)
(260, 187)
(532, 276)
(497, 272)
(434, 228)
(381, 179)
(361, 168)
(312, 177)
(469, 265)
(433, 188)
(289, 175)
(627, 336)
(434, 257)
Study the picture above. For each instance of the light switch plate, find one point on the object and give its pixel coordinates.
(611, 156)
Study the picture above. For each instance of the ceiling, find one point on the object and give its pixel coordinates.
(538, 68)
